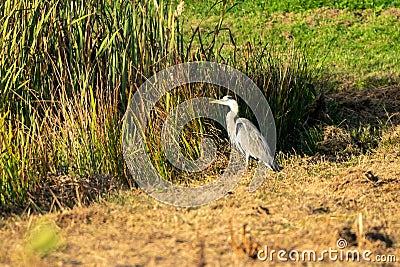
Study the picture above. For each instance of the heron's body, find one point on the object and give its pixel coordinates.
(245, 136)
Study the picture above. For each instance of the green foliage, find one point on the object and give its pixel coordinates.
(310, 138)
(366, 137)
(67, 72)
(286, 81)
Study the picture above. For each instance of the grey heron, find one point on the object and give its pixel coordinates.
(245, 136)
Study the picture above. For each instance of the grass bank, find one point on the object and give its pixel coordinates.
(354, 43)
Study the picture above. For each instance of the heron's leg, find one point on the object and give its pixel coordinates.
(247, 164)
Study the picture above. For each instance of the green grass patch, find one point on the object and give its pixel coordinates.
(248, 7)
(356, 47)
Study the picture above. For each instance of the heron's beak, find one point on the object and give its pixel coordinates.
(216, 102)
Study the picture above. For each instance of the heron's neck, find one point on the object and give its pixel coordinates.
(234, 108)
(230, 125)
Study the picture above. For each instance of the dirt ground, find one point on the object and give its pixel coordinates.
(311, 204)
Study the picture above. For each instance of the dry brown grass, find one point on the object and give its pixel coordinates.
(311, 204)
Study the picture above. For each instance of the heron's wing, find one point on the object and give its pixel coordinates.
(250, 140)
(242, 139)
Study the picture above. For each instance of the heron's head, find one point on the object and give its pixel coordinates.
(227, 101)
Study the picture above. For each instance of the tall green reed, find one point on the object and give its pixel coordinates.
(67, 72)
